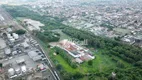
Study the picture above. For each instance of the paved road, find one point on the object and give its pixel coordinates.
(8, 20)
(5, 19)
(51, 68)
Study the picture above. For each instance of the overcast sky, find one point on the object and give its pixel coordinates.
(20, 1)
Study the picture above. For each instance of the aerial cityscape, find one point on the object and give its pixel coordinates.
(70, 39)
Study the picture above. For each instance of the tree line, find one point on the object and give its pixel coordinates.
(66, 75)
(67, 58)
(48, 36)
(129, 53)
(22, 11)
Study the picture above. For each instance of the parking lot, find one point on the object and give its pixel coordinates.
(5, 18)
(22, 57)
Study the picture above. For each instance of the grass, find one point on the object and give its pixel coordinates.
(57, 59)
(62, 35)
(20, 18)
(121, 31)
(65, 65)
(124, 62)
(102, 63)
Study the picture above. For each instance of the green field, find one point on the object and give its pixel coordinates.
(59, 60)
(20, 18)
(121, 31)
(101, 63)
(62, 35)
(110, 55)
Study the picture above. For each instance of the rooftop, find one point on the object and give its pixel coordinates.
(33, 25)
(2, 43)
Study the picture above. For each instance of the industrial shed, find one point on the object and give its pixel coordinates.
(34, 55)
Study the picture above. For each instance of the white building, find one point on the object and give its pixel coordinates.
(25, 45)
(34, 55)
(24, 69)
(33, 25)
(15, 36)
(7, 51)
(11, 72)
(2, 44)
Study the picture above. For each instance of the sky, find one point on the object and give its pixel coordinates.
(20, 1)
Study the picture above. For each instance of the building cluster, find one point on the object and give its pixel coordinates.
(22, 57)
(79, 54)
(117, 19)
(32, 24)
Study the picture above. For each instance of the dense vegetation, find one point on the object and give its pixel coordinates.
(63, 54)
(131, 54)
(20, 31)
(109, 26)
(48, 36)
(21, 11)
(111, 50)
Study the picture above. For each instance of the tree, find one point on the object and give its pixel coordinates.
(20, 31)
(77, 75)
(64, 55)
(67, 76)
(139, 63)
(48, 36)
(11, 26)
(112, 76)
(90, 62)
(59, 67)
(120, 64)
(129, 53)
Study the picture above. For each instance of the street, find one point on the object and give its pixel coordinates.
(6, 20)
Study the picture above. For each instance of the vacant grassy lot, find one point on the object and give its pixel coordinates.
(62, 35)
(121, 31)
(59, 60)
(102, 63)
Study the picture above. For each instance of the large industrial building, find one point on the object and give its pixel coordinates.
(79, 53)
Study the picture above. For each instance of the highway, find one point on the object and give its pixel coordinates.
(6, 20)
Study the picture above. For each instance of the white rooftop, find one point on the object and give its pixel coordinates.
(33, 25)
(32, 54)
(11, 71)
(2, 44)
(23, 68)
(20, 61)
(25, 44)
(7, 51)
